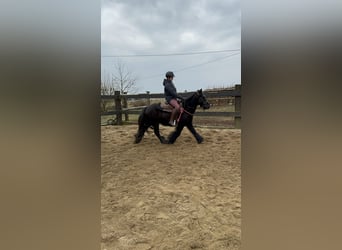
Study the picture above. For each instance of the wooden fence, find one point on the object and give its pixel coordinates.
(121, 104)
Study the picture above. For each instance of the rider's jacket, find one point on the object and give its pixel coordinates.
(170, 90)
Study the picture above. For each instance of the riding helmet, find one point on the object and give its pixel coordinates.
(169, 74)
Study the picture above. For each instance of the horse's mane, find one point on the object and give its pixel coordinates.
(190, 96)
(188, 103)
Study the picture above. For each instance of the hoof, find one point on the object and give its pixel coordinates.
(163, 140)
(137, 140)
(200, 140)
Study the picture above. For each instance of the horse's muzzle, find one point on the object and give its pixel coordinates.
(206, 106)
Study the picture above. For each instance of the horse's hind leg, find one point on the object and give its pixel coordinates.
(157, 133)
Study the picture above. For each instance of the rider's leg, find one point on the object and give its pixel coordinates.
(174, 112)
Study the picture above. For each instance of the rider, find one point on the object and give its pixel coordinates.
(171, 96)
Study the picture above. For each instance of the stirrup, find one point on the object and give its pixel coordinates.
(172, 123)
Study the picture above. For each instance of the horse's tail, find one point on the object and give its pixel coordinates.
(141, 126)
(141, 118)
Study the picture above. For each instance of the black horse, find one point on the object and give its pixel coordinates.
(154, 115)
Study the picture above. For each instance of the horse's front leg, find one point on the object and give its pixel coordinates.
(157, 133)
(174, 135)
(199, 138)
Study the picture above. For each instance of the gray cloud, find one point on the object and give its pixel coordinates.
(152, 27)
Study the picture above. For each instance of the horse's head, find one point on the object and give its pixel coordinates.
(202, 100)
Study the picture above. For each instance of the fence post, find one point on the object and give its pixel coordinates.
(125, 105)
(118, 109)
(148, 98)
(237, 119)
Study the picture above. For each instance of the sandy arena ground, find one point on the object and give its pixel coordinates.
(181, 196)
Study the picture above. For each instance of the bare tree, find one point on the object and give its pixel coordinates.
(124, 80)
(107, 88)
(107, 85)
(120, 80)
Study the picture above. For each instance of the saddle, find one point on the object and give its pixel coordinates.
(166, 107)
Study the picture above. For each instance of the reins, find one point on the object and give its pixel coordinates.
(181, 112)
(184, 110)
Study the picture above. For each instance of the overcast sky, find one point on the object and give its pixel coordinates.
(155, 27)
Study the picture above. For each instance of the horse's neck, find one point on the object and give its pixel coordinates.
(191, 104)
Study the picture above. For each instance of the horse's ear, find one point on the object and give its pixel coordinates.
(199, 91)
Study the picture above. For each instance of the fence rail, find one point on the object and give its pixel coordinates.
(121, 101)
(208, 94)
